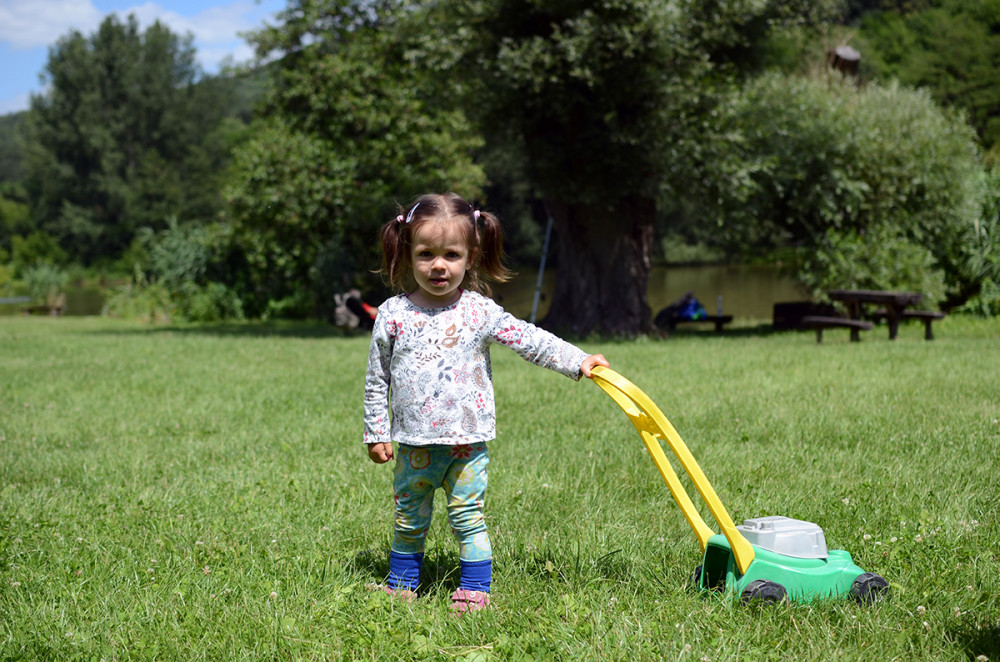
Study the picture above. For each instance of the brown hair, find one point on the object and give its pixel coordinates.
(482, 230)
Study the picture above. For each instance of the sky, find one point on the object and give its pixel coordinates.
(29, 27)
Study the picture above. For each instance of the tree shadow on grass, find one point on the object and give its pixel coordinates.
(978, 639)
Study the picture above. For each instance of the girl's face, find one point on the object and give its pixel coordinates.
(440, 257)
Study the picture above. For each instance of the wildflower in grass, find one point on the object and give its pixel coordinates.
(919, 538)
(15, 584)
(927, 626)
(206, 570)
(274, 595)
(893, 539)
(867, 536)
(921, 610)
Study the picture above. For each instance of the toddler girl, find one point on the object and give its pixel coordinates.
(429, 364)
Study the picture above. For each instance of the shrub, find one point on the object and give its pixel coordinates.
(171, 279)
(826, 166)
(45, 283)
(877, 260)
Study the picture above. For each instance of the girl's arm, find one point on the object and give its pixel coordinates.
(543, 348)
(377, 379)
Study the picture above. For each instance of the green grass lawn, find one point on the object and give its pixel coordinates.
(193, 493)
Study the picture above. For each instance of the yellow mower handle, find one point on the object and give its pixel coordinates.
(652, 425)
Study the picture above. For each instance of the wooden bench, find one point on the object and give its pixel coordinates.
(718, 320)
(820, 322)
(928, 317)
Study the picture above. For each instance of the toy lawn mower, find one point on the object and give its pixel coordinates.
(764, 560)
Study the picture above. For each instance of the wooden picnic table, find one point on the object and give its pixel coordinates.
(894, 303)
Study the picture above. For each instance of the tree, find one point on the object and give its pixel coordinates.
(610, 100)
(349, 127)
(11, 148)
(115, 140)
(919, 49)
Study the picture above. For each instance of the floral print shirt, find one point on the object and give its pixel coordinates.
(432, 367)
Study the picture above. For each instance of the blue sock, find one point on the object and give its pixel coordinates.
(404, 570)
(476, 575)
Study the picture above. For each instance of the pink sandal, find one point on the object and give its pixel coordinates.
(464, 600)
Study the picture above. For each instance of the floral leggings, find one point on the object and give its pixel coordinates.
(461, 472)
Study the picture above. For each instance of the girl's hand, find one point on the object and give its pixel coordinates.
(380, 453)
(591, 361)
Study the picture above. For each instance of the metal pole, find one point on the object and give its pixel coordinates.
(541, 267)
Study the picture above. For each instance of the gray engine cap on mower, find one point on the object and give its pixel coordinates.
(787, 536)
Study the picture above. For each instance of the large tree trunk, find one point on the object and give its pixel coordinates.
(604, 264)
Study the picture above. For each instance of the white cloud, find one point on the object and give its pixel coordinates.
(38, 23)
(27, 25)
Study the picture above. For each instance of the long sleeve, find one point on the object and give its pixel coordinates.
(538, 346)
(377, 383)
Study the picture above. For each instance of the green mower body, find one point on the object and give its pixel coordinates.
(802, 579)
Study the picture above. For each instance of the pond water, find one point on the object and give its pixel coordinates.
(78, 302)
(748, 292)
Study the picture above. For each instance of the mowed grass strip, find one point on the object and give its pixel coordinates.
(202, 493)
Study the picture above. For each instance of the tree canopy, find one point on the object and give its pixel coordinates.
(952, 49)
(122, 137)
(349, 128)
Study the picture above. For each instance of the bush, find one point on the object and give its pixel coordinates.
(982, 261)
(819, 164)
(879, 260)
(171, 279)
(141, 300)
(45, 284)
(213, 302)
(34, 249)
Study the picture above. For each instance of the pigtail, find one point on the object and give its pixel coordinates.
(490, 261)
(395, 254)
